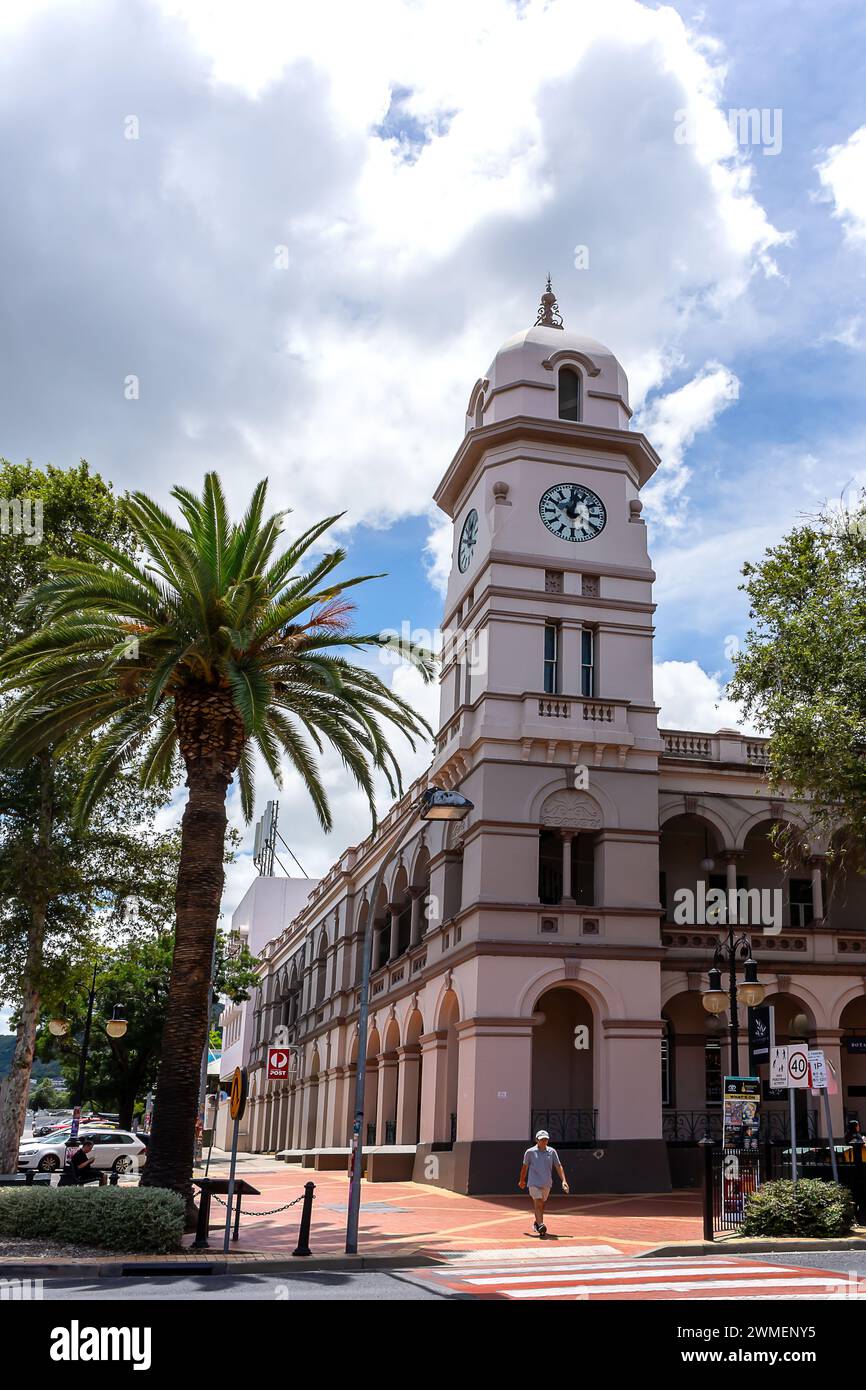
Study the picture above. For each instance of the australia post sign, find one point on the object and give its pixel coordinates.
(278, 1063)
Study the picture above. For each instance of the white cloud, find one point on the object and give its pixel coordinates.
(673, 420)
(437, 553)
(843, 178)
(344, 376)
(691, 698)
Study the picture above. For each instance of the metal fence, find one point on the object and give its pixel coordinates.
(730, 1175)
(566, 1126)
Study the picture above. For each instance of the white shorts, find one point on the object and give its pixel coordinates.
(539, 1194)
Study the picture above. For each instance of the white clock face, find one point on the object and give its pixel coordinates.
(468, 538)
(572, 512)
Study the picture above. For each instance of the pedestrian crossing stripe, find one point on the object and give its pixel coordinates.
(704, 1279)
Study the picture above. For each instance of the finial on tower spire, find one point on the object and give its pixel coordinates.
(548, 310)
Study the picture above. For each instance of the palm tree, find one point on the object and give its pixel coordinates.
(211, 647)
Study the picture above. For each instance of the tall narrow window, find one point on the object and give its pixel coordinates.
(551, 659)
(587, 662)
(802, 907)
(569, 394)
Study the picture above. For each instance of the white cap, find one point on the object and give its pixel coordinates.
(542, 1134)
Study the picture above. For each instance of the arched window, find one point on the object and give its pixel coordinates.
(569, 394)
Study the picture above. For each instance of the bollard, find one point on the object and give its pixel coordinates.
(113, 1178)
(859, 1194)
(202, 1221)
(303, 1247)
(707, 1146)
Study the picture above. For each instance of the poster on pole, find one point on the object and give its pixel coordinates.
(741, 1112)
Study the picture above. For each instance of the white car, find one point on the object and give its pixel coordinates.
(112, 1148)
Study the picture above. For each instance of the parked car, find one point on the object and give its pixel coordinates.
(112, 1148)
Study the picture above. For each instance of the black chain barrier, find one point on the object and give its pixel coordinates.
(272, 1212)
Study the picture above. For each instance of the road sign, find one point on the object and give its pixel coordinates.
(278, 1064)
(817, 1069)
(798, 1066)
(779, 1069)
(238, 1095)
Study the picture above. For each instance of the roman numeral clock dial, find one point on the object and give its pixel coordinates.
(468, 540)
(572, 512)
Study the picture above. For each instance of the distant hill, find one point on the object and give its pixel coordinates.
(7, 1048)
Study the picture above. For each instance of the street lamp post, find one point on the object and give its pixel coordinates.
(750, 992)
(434, 804)
(115, 1028)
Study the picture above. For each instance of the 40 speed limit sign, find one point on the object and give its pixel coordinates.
(798, 1065)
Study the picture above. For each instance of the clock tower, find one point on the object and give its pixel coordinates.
(547, 723)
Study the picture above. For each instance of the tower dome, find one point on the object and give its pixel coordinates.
(548, 373)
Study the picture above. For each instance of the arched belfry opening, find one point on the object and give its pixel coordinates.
(569, 394)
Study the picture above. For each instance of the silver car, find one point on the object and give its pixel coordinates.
(112, 1148)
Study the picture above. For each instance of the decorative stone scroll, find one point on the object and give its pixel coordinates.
(572, 810)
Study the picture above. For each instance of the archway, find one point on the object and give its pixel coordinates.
(387, 1107)
(410, 1078)
(693, 1061)
(371, 1086)
(852, 1021)
(312, 1102)
(563, 1090)
(449, 1017)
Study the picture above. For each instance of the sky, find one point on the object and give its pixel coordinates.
(285, 240)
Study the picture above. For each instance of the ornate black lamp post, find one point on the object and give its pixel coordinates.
(750, 992)
(115, 1028)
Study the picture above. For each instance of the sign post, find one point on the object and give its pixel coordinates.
(237, 1106)
(798, 1079)
(820, 1082)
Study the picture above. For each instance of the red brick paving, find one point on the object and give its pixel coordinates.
(421, 1218)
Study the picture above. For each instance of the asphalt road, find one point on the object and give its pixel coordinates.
(351, 1285)
(347, 1285)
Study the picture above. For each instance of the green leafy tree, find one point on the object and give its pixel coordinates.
(36, 795)
(801, 674)
(213, 647)
(136, 976)
(46, 1096)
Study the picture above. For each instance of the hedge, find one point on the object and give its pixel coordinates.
(810, 1207)
(147, 1219)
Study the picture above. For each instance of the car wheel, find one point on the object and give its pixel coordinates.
(122, 1164)
(49, 1163)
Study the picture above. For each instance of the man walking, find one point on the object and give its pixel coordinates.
(539, 1163)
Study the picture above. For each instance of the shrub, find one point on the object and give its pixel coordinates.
(809, 1207)
(116, 1218)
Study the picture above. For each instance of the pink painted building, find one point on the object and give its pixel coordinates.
(529, 968)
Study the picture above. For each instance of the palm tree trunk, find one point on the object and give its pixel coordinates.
(16, 1087)
(199, 889)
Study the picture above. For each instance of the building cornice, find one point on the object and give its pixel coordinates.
(633, 446)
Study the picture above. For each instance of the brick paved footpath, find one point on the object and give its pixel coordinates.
(405, 1217)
